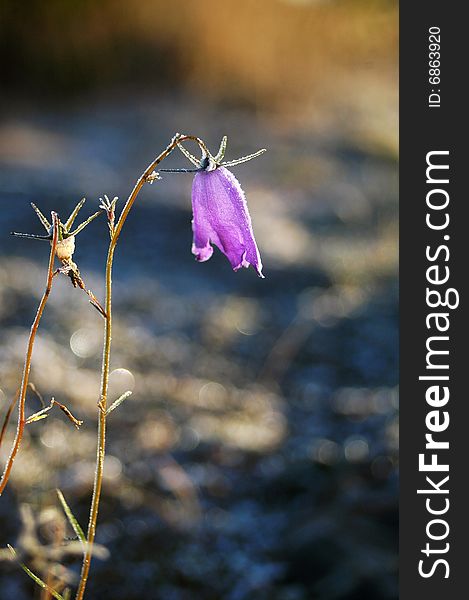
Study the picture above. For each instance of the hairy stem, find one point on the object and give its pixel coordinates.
(27, 361)
(146, 176)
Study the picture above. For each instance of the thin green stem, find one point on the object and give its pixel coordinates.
(29, 353)
(147, 175)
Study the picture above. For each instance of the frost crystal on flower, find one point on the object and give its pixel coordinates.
(220, 211)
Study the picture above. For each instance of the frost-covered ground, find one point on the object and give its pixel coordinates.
(256, 457)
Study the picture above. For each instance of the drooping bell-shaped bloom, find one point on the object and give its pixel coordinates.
(220, 211)
(221, 217)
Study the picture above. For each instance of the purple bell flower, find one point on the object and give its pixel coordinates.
(221, 217)
(220, 211)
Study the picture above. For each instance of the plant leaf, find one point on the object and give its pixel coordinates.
(118, 402)
(73, 216)
(238, 161)
(42, 218)
(41, 414)
(36, 417)
(221, 151)
(189, 156)
(34, 577)
(71, 518)
(85, 223)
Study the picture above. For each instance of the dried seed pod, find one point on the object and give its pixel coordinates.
(65, 248)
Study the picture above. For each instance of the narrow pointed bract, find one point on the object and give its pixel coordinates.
(221, 217)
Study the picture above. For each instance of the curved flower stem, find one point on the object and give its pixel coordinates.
(27, 361)
(147, 176)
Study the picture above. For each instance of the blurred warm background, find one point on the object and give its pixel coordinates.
(256, 457)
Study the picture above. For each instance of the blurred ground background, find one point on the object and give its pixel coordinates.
(257, 455)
